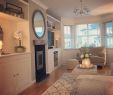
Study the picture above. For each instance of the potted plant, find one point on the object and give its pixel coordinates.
(18, 36)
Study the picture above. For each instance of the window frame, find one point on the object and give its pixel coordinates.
(87, 34)
(107, 35)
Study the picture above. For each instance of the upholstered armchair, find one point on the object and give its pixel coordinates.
(97, 55)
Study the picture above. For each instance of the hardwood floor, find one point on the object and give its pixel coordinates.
(39, 88)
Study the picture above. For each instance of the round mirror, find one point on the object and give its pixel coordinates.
(38, 23)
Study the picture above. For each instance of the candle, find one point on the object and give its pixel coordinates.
(1, 43)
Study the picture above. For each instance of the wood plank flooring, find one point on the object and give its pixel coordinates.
(39, 88)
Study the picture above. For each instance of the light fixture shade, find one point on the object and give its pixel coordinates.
(83, 11)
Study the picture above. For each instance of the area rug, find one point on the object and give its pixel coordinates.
(71, 84)
(93, 85)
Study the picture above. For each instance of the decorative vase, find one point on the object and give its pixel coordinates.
(86, 63)
(20, 48)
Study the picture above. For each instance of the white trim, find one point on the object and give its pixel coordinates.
(49, 16)
(40, 4)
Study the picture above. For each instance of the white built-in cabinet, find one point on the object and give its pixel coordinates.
(50, 63)
(53, 25)
(15, 73)
(15, 68)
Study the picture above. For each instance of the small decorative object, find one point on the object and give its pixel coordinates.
(86, 61)
(19, 48)
(83, 56)
(14, 10)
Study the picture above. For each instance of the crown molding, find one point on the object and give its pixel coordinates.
(40, 4)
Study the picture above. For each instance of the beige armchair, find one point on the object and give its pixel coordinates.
(98, 55)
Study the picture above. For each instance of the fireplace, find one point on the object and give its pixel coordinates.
(40, 62)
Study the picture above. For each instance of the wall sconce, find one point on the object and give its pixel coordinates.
(56, 42)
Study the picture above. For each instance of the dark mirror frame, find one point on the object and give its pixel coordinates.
(34, 13)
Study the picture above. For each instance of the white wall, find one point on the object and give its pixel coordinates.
(67, 54)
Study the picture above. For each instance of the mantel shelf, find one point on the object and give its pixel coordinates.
(11, 18)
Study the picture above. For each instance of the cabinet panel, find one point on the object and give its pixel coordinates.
(15, 74)
(51, 66)
(7, 79)
(50, 61)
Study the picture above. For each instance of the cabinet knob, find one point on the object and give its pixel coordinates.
(17, 74)
(14, 75)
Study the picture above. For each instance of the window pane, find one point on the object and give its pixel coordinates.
(109, 41)
(109, 28)
(93, 29)
(81, 41)
(67, 37)
(109, 34)
(81, 30)
(94, 41)
(88, 35)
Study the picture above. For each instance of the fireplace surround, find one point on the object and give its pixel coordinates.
(40, 62)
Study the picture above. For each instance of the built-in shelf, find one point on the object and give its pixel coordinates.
(10, 24)
(10, 17)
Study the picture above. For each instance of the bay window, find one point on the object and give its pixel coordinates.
(109, 34)
(85, 35)
(88, 35)
(69, 37)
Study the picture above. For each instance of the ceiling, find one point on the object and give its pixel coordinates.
(64, 8)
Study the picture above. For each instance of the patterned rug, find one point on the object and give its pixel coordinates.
(71, 84)
(92, 86)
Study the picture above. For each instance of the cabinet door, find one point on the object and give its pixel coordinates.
(50, 61)
(7, 79)
(14, 74)
(22, 69)
(59, 57)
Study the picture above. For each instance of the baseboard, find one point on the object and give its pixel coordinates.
(27, 86)
(32, 82)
